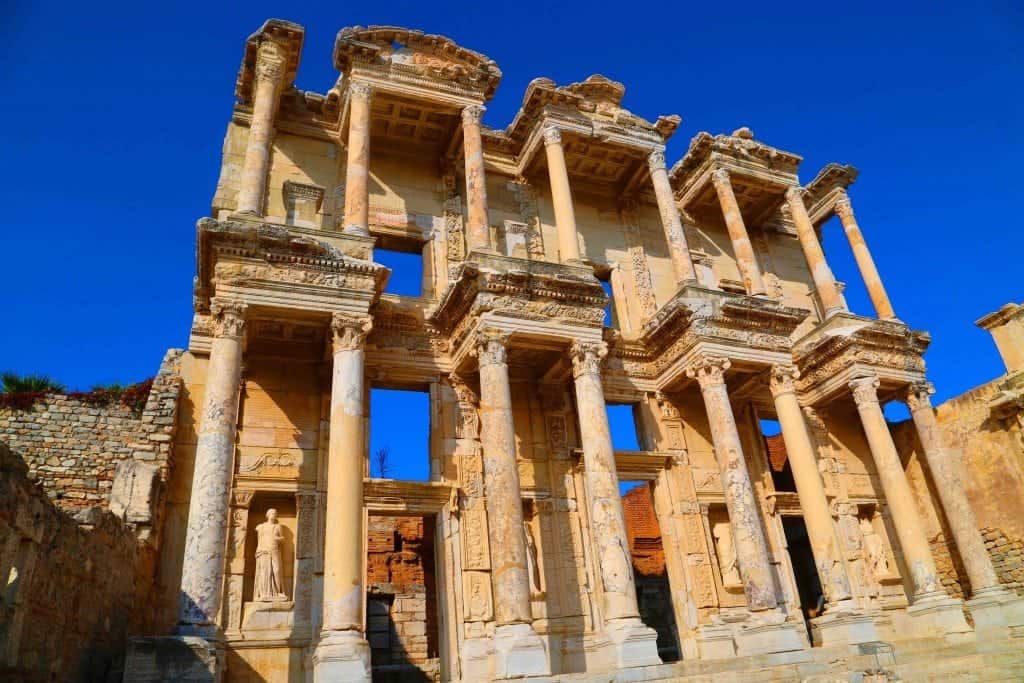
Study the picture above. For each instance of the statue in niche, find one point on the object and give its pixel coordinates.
(727, 555)
(532, 567)
(269, 582)
(874, 551)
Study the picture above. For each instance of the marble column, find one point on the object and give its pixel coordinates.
(357, 170)
(343, 653)
(270, 66)
(679, 250)
(824, 281)
(748, 534)
(825, 545)
(957, 508)
(917, 553)
(866, 264)
(202, 573)
(519, 650)
(746, 259)
(561, 196)
(478, 228)
(633, 646)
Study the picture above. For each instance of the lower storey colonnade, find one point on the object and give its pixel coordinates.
(620, 638)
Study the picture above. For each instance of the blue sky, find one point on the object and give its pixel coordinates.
(114, 115)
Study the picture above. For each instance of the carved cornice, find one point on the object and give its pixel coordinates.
(738, 150)
(865, 391)
(228, 319)
(349, 331)
(827, 187)
(587, 357)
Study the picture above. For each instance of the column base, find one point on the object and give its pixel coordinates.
(629, 642)
(770, 634)
(342, 656)
(189, 659)
(519, 652)
(475, 657)
(996, 611)
(844, 628)
(941, 615)
(715, 641)
(356, 230)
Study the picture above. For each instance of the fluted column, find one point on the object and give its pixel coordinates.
(866, 264)
(478, 228)
(824, 281)
(917, 554)
(679, 250)
(746, 259)
(607, 520)
(561, 196)
(509, 577)
(202, 573)
(957, 508)
(357, 170)
(270, 65)
(751, 547)
(821, 531)
(342, 653)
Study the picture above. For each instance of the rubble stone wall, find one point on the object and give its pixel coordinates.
(72, 585)
(73, 448)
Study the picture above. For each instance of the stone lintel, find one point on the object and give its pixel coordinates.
(388, 496)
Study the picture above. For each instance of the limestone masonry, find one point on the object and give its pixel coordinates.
(566, 266)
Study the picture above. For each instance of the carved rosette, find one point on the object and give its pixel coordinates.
(656, 160)
(228, 319)
(918, 396)
(472, 115)
(587, 357)
(552, 136)
(709, 371)
(783, 379)
(360, 91)
(349, 331)
(491, 347)
(865, 391)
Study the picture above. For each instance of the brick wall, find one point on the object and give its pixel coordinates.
(72, 448)
(73, 585)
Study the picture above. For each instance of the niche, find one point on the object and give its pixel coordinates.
(263, 609)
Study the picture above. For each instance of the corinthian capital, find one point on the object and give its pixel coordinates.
(472, 114)
(270, 61)
(720, 178)
(865, 390)
(795, 195)
(587, 357)
(349, 331)
(361, 91)
(842, 207)
(656, 160)
(709, 371)
(552, 136)
(228, 319)
(783, 379)
(491, 347)
(918, 396)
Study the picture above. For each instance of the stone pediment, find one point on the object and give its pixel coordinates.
(415, 56)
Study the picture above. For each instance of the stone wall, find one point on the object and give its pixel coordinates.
(74, 588)
(73, 447)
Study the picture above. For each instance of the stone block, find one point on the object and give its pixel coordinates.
(188, 659)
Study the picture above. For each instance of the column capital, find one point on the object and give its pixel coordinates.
(240, 498)
(720, 178)
(842, 206)
(709, 371)
(270, 61)
(783, 380)
(587, 357)
(552, 136)
(865, 390)
(228, 318)
(360, 90)
(656, 160)
(918, 395)
(472, 114)
(349, 331)
(795, 194)
(464, 394)
(491, 346)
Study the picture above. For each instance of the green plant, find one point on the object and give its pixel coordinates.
(13, 383)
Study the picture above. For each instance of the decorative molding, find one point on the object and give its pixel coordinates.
(708, 370)
(349, 331)
(587, 357)
(783, 379)
(228, 318)
(865, 390)
(490, 348)
(552, 136)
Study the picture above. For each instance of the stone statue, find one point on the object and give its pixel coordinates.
(874, 551)
(269, 583)
(727, 555)
(532, 568)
